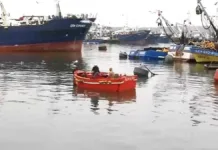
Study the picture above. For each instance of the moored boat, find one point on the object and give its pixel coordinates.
(43, 34)
(181, 53)
(118, 83)
(150, 53)
(102, 48)
(205, 55)
(123, 55)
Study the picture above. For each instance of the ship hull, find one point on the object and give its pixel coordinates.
(65, 34)
(202, 55)
(180, 53)
(137, 38)
(201, 58)
(44, 47)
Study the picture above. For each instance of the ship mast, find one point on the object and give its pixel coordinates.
(167, 23)
(200, 10)
(4, 14)
(58, 9)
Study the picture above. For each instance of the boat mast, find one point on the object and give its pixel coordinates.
(200, 10)
(58, 9)
(161, 17)
(4, 14)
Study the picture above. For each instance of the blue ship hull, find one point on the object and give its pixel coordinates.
(64, 34)
(156, 39)
(164, 39)
(152, 39)
(204, 51)
(94, 41)
(133, 38)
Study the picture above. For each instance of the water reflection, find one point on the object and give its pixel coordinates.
(39, 61)
(113, 98)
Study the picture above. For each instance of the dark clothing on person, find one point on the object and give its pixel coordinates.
(95, 71)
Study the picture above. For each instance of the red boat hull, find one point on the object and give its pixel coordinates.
(74, 46)
(122, 83)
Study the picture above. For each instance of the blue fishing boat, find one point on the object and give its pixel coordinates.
(151, 53)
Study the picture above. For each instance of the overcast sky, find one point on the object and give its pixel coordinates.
(115, 12)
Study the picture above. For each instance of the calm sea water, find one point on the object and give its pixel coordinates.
(41, 110)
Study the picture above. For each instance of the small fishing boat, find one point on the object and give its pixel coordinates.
(102, 82)
(102, 48)
(150, 53)
(123, 55)
(181, 53)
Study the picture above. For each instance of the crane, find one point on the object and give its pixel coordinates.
(200, 10)
(4, 15)
(174, 32)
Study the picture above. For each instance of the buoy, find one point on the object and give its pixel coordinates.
(216, 76)
(169, 59)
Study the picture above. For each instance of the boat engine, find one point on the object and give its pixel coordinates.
(141, 71)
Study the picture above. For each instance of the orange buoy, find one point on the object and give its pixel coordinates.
(216, 76)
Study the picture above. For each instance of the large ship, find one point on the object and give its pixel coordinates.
(36, 33)
(129, 36)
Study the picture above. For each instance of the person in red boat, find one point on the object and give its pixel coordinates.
(111, 73)
(95, 71)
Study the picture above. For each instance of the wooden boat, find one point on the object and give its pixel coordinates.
(102, 82)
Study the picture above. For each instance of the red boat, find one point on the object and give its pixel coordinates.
(85, 80)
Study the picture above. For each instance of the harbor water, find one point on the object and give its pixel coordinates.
(41, 110)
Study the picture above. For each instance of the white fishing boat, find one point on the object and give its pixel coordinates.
(181, 53)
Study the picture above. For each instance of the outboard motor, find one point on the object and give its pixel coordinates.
(141, 71)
